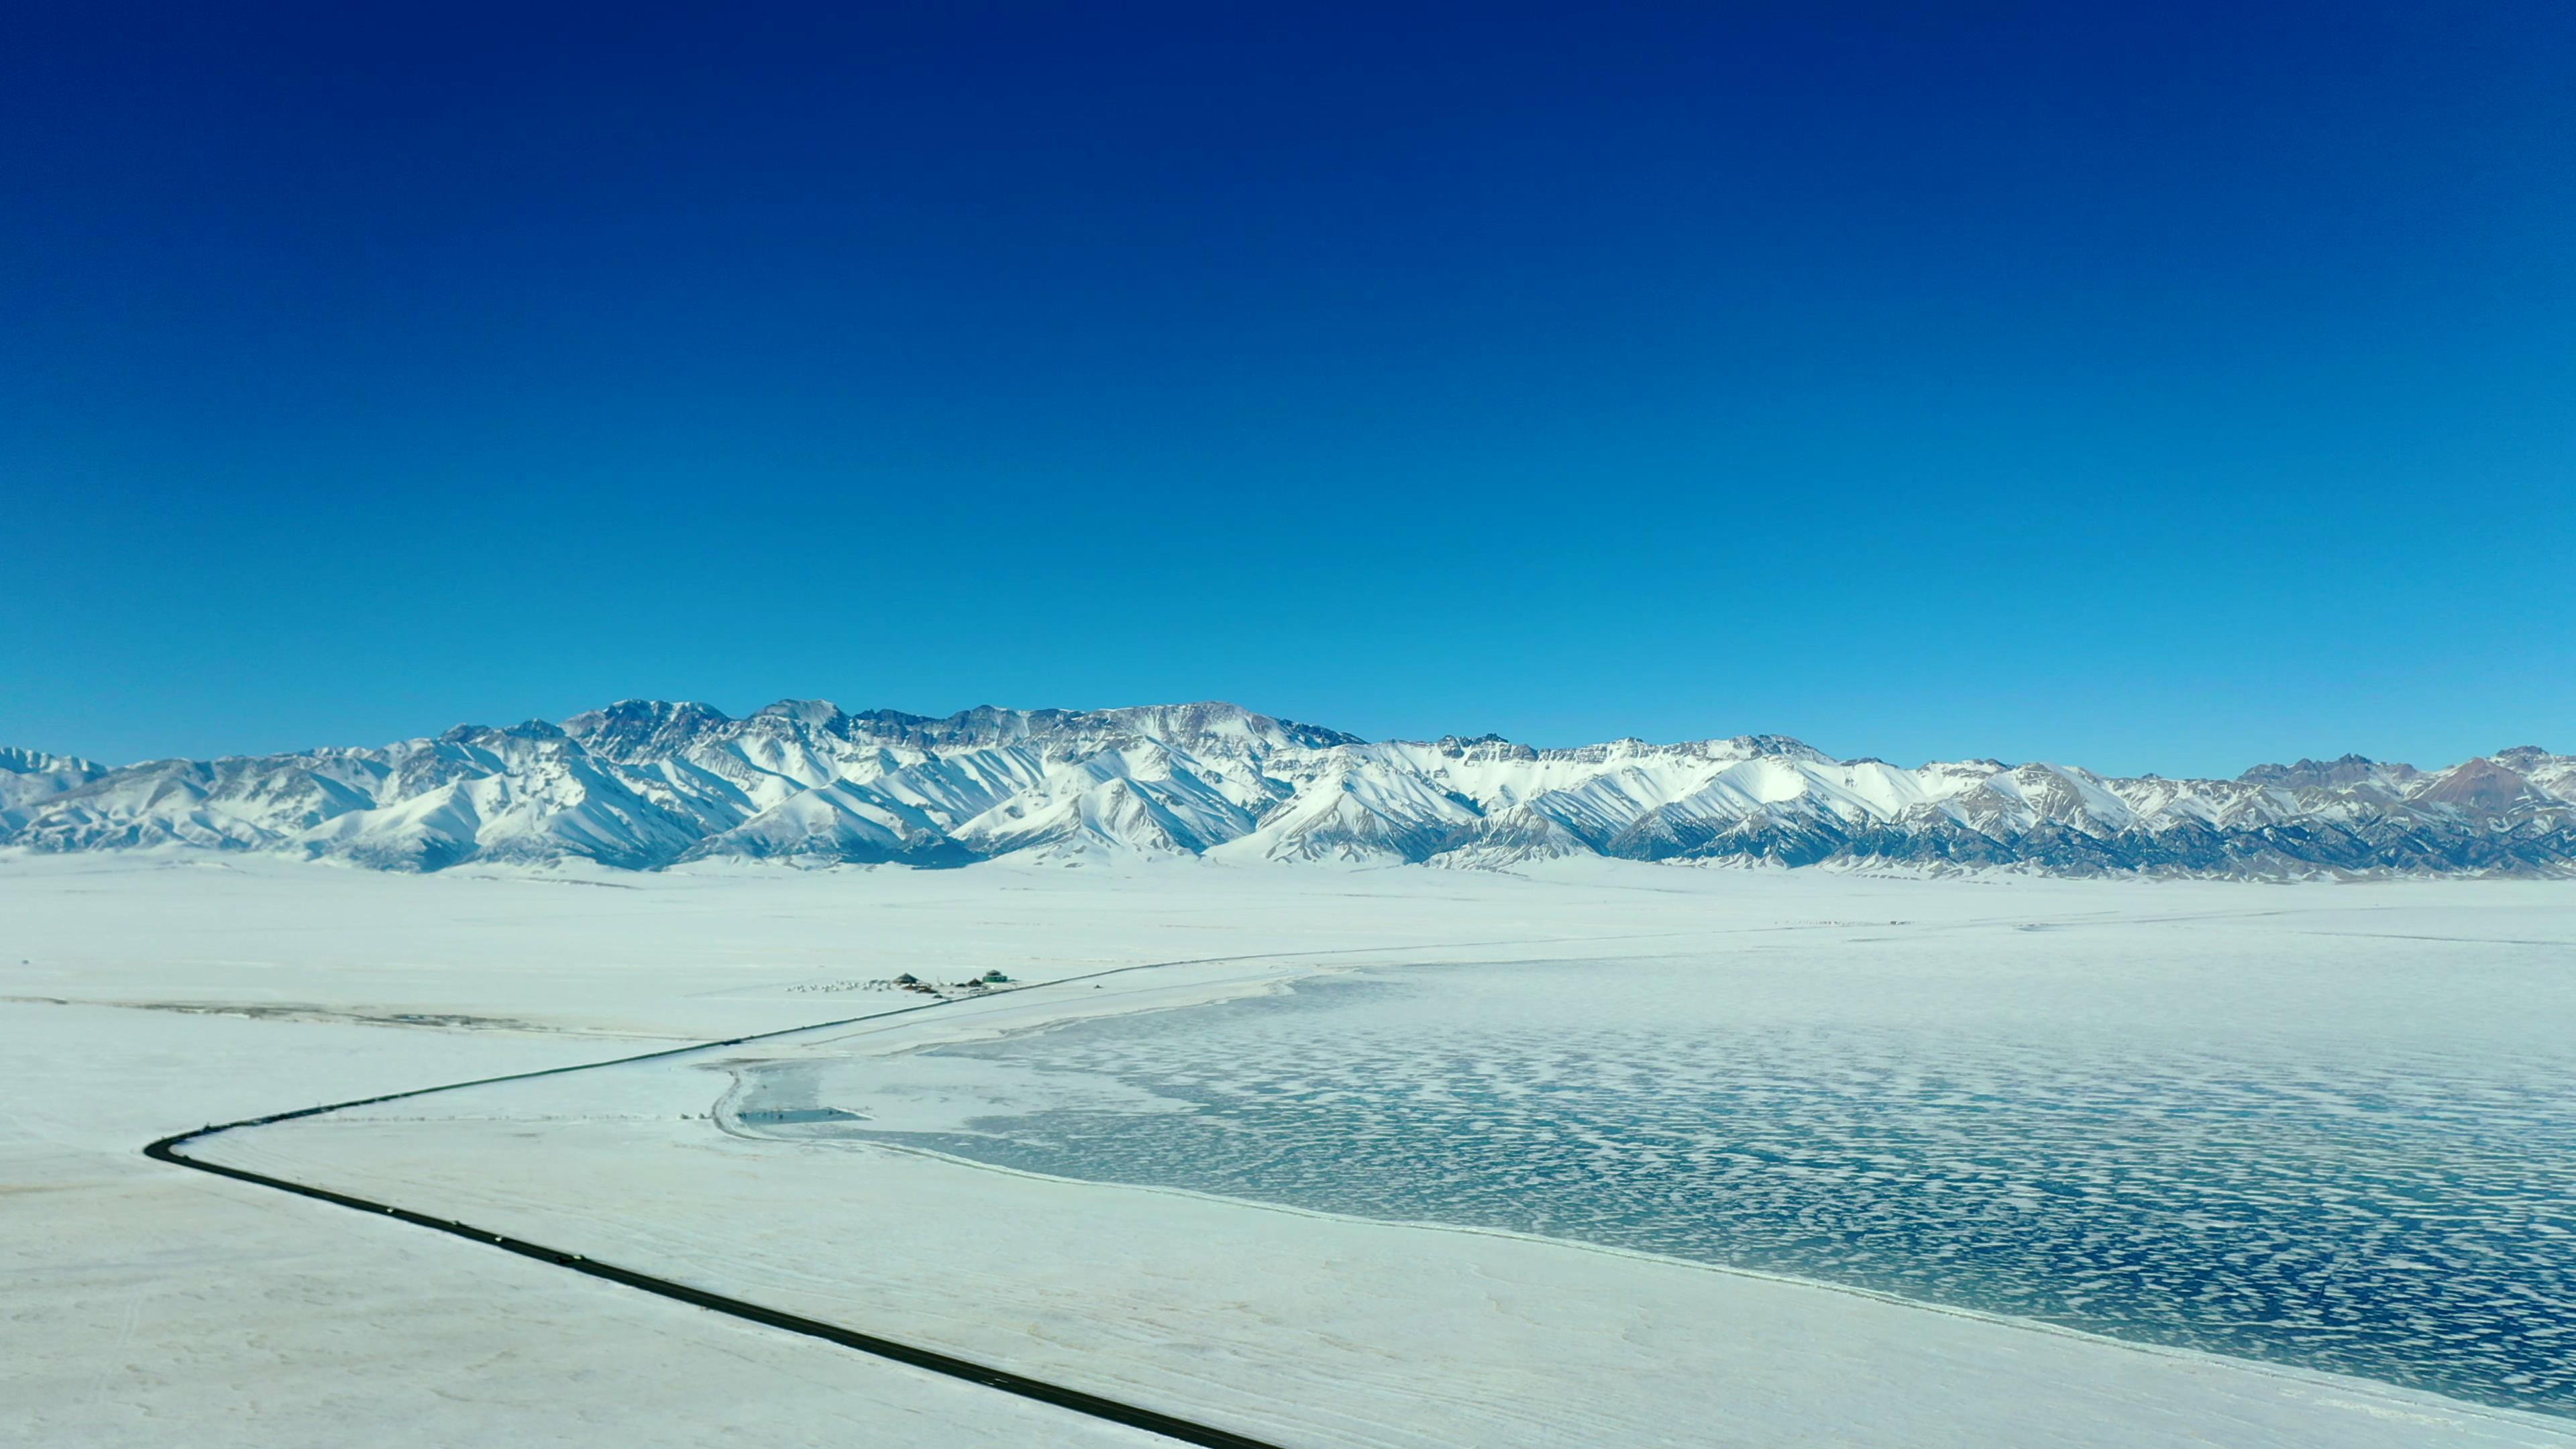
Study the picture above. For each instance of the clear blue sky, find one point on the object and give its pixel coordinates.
(2167, 390)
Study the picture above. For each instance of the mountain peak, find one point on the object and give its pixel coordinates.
(17, 761)
(2306, 774)
(632, 727)
(811, 713)
(468, 734)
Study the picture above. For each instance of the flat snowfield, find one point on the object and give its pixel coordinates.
(146, 1304)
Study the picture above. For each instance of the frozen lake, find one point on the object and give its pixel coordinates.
(1766, 1069)
(2358, 1158)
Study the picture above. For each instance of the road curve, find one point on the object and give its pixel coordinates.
(1093, 1405)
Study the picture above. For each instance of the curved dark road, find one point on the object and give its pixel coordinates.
(1093, 1405)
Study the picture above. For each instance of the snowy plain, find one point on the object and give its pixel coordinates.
(147, 1305)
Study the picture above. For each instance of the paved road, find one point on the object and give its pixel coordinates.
(1131, 1415)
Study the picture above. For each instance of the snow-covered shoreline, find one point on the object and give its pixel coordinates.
(1372, 1332)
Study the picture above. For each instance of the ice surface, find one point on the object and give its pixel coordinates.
(2294, 1190)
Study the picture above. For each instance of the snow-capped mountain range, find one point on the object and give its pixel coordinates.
(644, 784)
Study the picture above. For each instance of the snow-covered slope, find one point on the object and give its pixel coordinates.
(27, 776)
(647, 783)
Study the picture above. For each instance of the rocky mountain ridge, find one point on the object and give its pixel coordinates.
(644, 784)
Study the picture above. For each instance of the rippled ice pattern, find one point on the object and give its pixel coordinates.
(2404, 1218)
